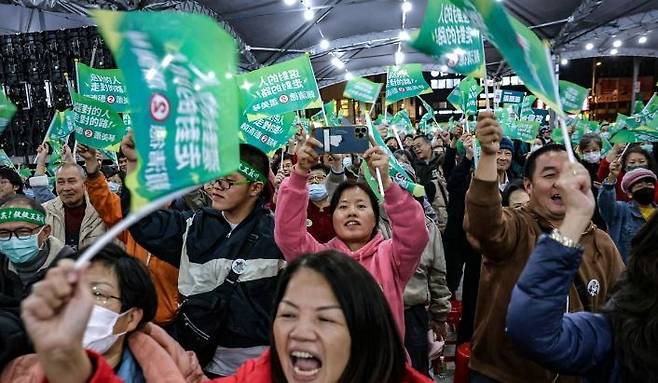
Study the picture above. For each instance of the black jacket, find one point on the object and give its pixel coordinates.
(14, 341)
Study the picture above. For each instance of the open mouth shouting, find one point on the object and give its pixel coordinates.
(305, 365)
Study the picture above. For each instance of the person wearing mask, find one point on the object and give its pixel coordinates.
(429, 172)
(624, 219)
(590, 148)
(319, 223)
(228, 264)
(632, 156)
(108, 205)
(11, 183)
(331, 324)
(617, 344)
(27, 247)
(507, 237)
(118, 301)
(504, 163)
(355, 217)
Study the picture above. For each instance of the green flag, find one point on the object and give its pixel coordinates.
(110, 155)
(55, 160)
(448, 35)
(96, 125)
(61, 125)
(524, 130)
(464, 96)
(625, 136)
(649, 113)
(104, 85)
(381, 117)
(509, 96)
(7, 110)
(428, 107)
(405, 81)
(362, 89)
(5, 160)
(607, 146)
(572, 96)
(279, 88)
(402, 122)
(455, 98)
(268, 134)
(24, 172)
(525, 108)
(186, 112)
(127, 121)
(637, 108)
(331, 111)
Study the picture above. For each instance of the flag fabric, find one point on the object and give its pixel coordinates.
(524, 130)
(5, 160)
(428, 107)
(55, 160)
(24, 172)
(127, 121)
(625, 136)
(331, 111)
(187, 111)
(405, 81)
(104, 85)
(448, 35)
(455, 98)
(525, 108)
(464, 96)
(638, 106)
(508, 96)
(381, 117)
(649, 113)
(7, 110)
(61, 125)
(362, 89)
(96, 125)
(110, 155)
(572, 96)
(402, 122)
(268, 134)
(279, 88)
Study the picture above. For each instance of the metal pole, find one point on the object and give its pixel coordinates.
(636, 72)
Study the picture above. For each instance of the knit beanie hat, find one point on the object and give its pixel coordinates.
(635, 175)
(506, 143)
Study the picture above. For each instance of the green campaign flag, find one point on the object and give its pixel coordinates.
(184, 99)
(470, 89)
(268, 134)
(426, 125)
(7, 110)
(279, 88)
(331, 111)
(104, 85)
(524, 130)
(525, 108)
(448, 35)
(127, 121)
(382, 116)
(625, 136)
(24, 172)
(5, 160)
(110, 155)
(649, 113)
(607, 146)
(55, 160)
(455, 98)
(62, 125)
(428, 107)
(402, 122)
(572, 96)
(637, 108)
(405, 81)
(96, 125)
(509, 96)
(362, 89)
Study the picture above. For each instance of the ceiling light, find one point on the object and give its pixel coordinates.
(616, 43)
(399, 58)
(406, 6)
(308, 14)
(564, 61)
(642, 39)
(289, 2)
(349, 76)
(614, 51)
(589, 46)
(598, 63)
(404, 36)
(337, 63)
(324, 44)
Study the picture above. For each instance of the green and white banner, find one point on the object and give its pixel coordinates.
(401, 122)
(508, 97)
(96, 125)
(572, 96)
(362, 89)
(405, 81)
(104, 85)
(331, 111)
(7, 110)
(465, 96)
(268, 134)
(62, 125)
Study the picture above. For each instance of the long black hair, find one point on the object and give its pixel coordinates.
(377, 354)
(633, 308)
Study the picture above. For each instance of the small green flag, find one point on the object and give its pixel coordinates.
(402, 122)
(61, 125)
(5, 160)
(279, 88)
(24, 172)
(380, 118)
(96, 125)
(331, 111)
(362, 89)
(607, 146)
(572, 96)
(448, 35)
(465, 96)
(183, 98)
(625, 136)
(110, 155)
(268, 134)
(455, 98)
(525, 108)
(405, 81)
(55, 160)
(104, 85)
(7, 110)
(524, 130)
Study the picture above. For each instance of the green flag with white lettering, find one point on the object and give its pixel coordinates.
(279, 88)
(61, 125)
(455, 98)
(402, 122)
(572, 96)
(331, 111)
(448, 35)
(104, 85)
(7, 110)
(464, 96)
(268, 134)
(96, 125)
(524, 130)
(183, 97)
(55, 160)
(405, 81)
(362, 89)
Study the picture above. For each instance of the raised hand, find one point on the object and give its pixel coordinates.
(488, 132)
(307, 156)
(377, 159)
(575, 189)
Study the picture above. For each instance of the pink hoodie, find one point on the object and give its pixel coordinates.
(391, 262)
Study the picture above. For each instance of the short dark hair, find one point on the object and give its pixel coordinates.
(531, 162)
(13, 177)
(588, 138)
(20, 200)
(377, 353)
(137, 289)
(326, 169)
(638, 149)
(258, 160)
(423, 137)
(511, 188)
(350, 184)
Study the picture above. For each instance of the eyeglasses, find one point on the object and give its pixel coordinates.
(22, 233)
(101, 297)
(318, 178)
(225, 184)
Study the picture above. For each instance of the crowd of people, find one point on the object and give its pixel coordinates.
(292, 269)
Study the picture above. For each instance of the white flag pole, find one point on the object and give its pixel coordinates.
(378, 174)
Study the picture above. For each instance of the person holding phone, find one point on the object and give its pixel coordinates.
(355, 217)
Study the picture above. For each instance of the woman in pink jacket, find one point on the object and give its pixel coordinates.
(355, 218)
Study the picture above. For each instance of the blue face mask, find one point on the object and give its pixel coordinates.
(114, 187)
(21, 250)
(647, 148)
(347, 162)
(317, 192)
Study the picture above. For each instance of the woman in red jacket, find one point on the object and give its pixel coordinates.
(332, 324)
(634, 157)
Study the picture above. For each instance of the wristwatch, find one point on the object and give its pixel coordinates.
(564, 241)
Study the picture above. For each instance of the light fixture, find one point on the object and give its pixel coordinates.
(337, 63)
(349, 76)
(642, 39)
(444, 68)
(324, 44)
(564, 61)
(399, 58)
(598, 63)
(289, 2)
(589, 46)
(614, 51)
(616, 43)
(404, 36)
(406, 6)
(308, 14)
(435, 73)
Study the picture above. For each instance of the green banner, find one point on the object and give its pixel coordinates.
(464, 96)
(509, 97)
(268, 134)
(7, 110)
(381, 117)
(5, 160)
(525, 131)
(104, 85)
(331, 111)
(448, 35)
(572, 96)
(279, 88)
(362, 89)
(456, 100)
(55, 160)
(525, 108)
(183, 97)
(626, 136)
(405, 81)
(96, 125)
(402, 122)
(62, 125)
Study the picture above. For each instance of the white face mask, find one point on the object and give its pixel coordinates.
(592, 157)
(534, 147)
(99, 335)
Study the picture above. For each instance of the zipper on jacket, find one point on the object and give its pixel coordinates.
(195, 329)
